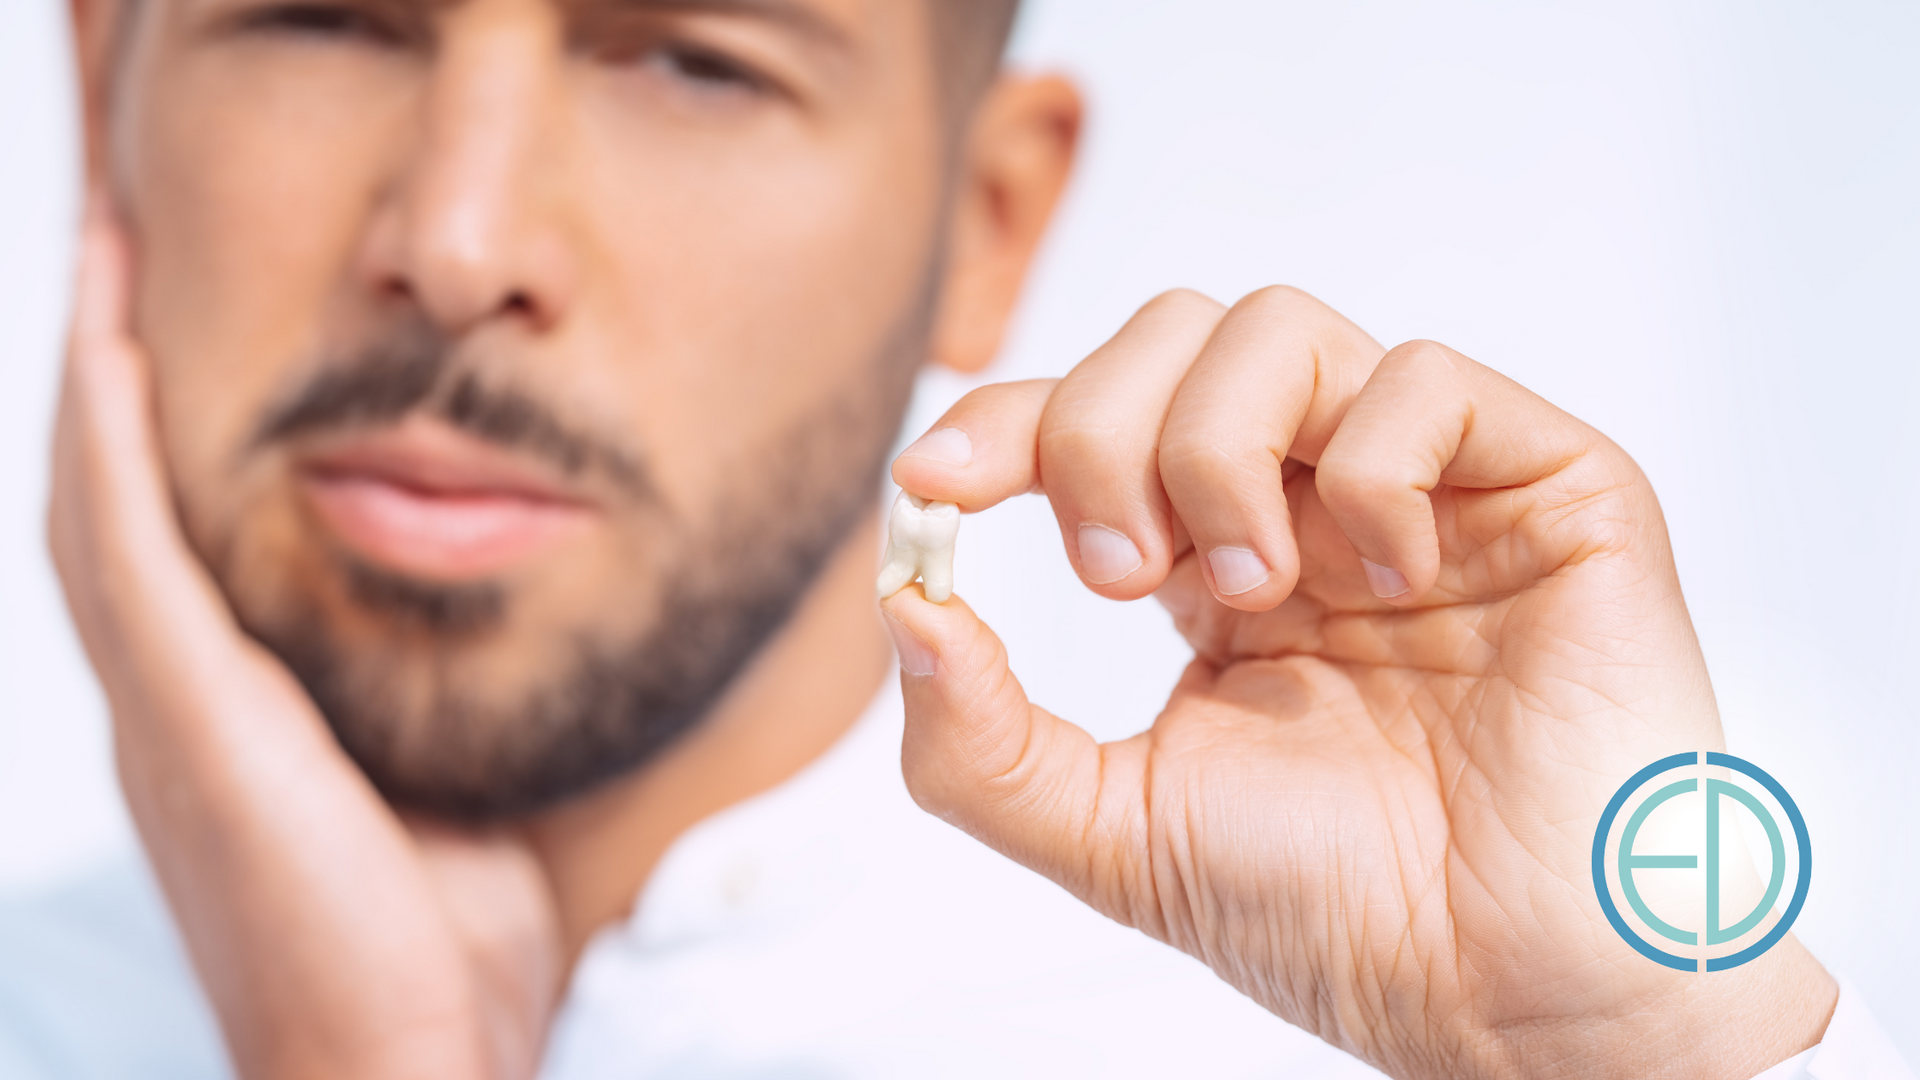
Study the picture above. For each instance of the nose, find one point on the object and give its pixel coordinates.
(470, 231)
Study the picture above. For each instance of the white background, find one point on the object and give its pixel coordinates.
(1692, 224)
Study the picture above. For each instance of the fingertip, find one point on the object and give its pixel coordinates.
(947, 445)
(100, 287)
(982, 452)
(934, 639)
(934, 466)
(100, 232)
(1399, 578)
(1389, 524)
(1245, 580)
(1386, 582)
(935, 483)
(96, 205)
(960, 699)
(1109, 558)
(909, 618)
(918, 659)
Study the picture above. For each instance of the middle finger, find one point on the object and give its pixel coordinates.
(1099, 446)
(1272, 383)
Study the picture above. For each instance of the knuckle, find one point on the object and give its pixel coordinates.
(1189, 463)
(1183, 303)
(995, 396)
(1078, 446)
(1280, 300)
(1610, 466)
(1422, 357)
(1263, 311)
(1024, 389)
(1351, 482)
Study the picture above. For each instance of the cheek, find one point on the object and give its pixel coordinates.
(246, 193)
(746, 284)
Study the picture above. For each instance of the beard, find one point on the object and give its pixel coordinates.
(404, 705)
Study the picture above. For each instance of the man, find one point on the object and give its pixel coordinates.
(465, 491)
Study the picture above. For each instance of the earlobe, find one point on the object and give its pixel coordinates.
(1019, 154)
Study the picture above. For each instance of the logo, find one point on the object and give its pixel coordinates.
(1747, 815)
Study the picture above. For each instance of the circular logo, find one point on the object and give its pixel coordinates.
(1672, 812)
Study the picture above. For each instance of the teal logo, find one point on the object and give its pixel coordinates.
(1629, 848)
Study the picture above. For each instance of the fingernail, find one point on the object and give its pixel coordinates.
(916, 656)
(1385, 581)
(949, 446)
(1237, 570)
(1105, 555)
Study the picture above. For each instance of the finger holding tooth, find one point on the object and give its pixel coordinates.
(920, 536)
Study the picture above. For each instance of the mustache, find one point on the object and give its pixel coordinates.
(413, 372)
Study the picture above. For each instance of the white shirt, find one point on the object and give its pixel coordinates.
(827, 929)
(831, 928)
(1853, 1048)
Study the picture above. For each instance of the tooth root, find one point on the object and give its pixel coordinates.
(936, 573)
(898, 572)
(920, 536)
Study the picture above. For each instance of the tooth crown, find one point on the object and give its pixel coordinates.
(920, 535)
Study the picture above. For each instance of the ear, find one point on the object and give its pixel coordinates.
(1019, 153)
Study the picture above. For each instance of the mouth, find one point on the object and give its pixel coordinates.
(430, 502)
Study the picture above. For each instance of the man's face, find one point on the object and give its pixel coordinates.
(520, 361)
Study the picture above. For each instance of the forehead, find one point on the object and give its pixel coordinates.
(853, 57)
(834, 38)
(831, 23)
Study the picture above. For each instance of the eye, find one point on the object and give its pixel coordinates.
(319, 20)
(703, 69)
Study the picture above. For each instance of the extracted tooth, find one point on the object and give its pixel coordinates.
(920, 536)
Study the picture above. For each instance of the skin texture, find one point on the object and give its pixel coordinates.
(588, 207)
(503, 239)
(1369, 801)
(1365, 813)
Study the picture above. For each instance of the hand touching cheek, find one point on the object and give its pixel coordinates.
(271, 847)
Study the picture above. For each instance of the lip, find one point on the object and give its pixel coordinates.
(427, 501)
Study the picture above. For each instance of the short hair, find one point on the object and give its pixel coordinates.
(969, 39)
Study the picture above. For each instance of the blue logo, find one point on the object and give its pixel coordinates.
(1718, 947)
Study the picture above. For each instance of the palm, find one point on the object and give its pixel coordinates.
(272, 847)
(466, 947)
(1417, 761)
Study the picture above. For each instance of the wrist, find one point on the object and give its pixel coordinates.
(1730, 1025)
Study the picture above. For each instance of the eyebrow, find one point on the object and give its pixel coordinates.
(798, 17)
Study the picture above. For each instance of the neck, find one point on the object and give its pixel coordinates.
(802, 691)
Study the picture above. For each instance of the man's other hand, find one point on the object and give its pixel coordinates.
(334, 939)
(1436, 623)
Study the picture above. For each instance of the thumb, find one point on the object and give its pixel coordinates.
(982, 757)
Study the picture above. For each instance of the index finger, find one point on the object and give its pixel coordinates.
(984, 451)
(1090, 439)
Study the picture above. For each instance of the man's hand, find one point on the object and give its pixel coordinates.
(1437, 623)
(333, 939)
